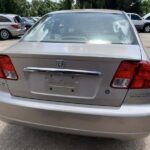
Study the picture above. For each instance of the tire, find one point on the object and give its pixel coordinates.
(4, 34)
(147, 28)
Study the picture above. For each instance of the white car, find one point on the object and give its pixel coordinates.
(78, 71)
(147, 17)
(11, 26)
(140, 23)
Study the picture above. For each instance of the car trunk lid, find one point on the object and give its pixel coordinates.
(74, 73)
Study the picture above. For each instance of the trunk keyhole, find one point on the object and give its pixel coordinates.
(72, 90)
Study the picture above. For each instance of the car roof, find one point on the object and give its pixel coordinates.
(147, 15)
(133, 13)
(88, 10)
(9, 15)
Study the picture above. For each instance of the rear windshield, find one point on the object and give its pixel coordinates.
(96, 28)
(17, 19)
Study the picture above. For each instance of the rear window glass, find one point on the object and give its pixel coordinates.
(18, 19)
(96, 28)
(148, 18)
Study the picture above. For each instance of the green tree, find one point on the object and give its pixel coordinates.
(145, 6)
(41, 7)
(14, 6)
(65, 4)
(137, 8)
(108, 4)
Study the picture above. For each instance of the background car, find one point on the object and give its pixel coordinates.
(140, 23)
(34, 19)
(27, 22)
(11, 26)
(147, 17)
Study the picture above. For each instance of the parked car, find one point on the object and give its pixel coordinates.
(147, 17)
(27, 22)
(78, 71)
(34, 19)
(140, 23)
(30, 18)
(11, 26)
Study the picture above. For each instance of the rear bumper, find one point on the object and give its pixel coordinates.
(139, 27)
(18, 32)
(123, 122)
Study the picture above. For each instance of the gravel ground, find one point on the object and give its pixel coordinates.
(14, 137)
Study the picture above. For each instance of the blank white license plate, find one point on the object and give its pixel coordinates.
(65, 85)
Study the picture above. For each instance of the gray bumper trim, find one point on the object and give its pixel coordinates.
(85, 119)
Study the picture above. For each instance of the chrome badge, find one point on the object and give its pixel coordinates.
(60, 63)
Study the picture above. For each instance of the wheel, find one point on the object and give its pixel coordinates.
(4, 34)
(147, 28)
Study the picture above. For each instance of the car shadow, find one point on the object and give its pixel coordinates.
(24, 138)
(14, 38)
(10, 39)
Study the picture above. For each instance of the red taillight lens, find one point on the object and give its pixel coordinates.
(132, 74)
(142, 78)
(7, 70)
(124, 74)
(16, 26)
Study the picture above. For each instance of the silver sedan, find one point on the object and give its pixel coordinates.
(83, 72)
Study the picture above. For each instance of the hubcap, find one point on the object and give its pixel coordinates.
(147, 28)
(4, 34)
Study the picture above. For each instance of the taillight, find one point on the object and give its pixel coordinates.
(16, 26)
(142, 77)
(133, 75)
(7, 70)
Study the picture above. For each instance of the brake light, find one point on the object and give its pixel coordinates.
(16, 26)
(133, 75)
(142, 78)
(7, 70)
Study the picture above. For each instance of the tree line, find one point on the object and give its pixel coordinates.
(41, 7)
